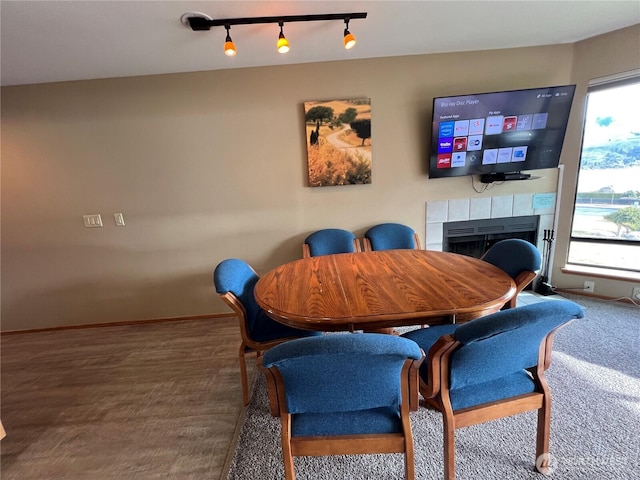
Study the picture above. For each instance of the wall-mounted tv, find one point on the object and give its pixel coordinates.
(499, 135)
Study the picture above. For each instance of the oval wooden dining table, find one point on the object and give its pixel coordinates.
(375, 291)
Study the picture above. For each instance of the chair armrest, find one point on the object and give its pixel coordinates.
(548, 345)
(522, 280)
(413, 372)
(272, 388)
(436, 353)
(416, 239)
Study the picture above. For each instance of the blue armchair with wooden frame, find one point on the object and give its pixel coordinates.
(235, 281)
(390, 236)
(520, 259)
(329, 241)
(344, 394)
(492, 367)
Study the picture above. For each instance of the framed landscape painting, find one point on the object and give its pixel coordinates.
(338, 142)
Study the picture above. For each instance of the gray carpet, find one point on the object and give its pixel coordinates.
(595, 430)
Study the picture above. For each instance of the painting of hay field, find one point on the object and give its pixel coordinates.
(338, 142)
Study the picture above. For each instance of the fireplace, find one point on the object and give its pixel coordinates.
(474, 237)
(439, 212)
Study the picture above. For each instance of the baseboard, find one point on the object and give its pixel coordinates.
(581, 293)
(119, 324)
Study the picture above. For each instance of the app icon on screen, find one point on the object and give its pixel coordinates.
(458, 159)
(476, 126)
(446, 129)
(504, 155)
(459, 144)
(509, 124)
(474, 158)
(540, 120)
(519, 154)
(490, 156)
(494, 125)
(461, 128)
(445, 145)
(524, 122)
(474, 142)
(444, 160)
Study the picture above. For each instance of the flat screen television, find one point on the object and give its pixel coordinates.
(499, 135)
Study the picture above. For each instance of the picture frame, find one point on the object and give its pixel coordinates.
(339, 144)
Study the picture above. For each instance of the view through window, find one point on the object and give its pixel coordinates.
(606, 221)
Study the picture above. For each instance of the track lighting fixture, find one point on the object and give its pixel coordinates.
(283, 43)
(349, 38)
(229, 46)
(201, 22)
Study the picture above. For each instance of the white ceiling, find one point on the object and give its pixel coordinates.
(51, 41)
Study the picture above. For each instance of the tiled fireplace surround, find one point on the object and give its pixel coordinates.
(442, 211)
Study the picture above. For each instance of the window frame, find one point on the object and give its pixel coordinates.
(596, 85)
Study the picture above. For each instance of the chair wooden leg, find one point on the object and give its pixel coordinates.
(448, 429)
(243, 374)
(409, 453)
(409, 463)
(542, 437)
(287, 455)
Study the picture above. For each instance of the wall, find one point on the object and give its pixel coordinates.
(601, 56)
(212, 165)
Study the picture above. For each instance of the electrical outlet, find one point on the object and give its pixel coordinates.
(636, 293)
(589, 287)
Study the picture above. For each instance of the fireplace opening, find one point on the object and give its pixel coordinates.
(475, 237)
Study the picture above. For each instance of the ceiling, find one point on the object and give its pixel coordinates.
(52, 41)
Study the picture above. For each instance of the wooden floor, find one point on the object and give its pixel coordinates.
(159, 400)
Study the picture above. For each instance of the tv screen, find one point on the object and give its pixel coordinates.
(492, 134)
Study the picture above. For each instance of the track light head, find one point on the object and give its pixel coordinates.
(349, 38)
(283, 43)
(229, 46)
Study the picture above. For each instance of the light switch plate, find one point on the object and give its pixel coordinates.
(92, 221)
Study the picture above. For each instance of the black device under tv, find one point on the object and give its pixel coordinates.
(503, 177)
(499, 135)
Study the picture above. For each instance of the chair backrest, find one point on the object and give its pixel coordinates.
(506, 342)
(514, 256)
(329, 241)
(342, 372)
(389, 236)
(237, 277)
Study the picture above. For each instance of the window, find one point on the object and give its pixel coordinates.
(605, 231)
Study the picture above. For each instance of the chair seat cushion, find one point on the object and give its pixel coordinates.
(265, 329)
(426, 337)
(512, 385)
(375, 420)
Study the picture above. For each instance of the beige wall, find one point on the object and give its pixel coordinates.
(597, 57)
(212, 165)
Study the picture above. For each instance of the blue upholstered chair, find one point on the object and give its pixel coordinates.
(344, 395)
(519, 259)
(328, 241)
(390, 236)
(235, 280)
(492, 367)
